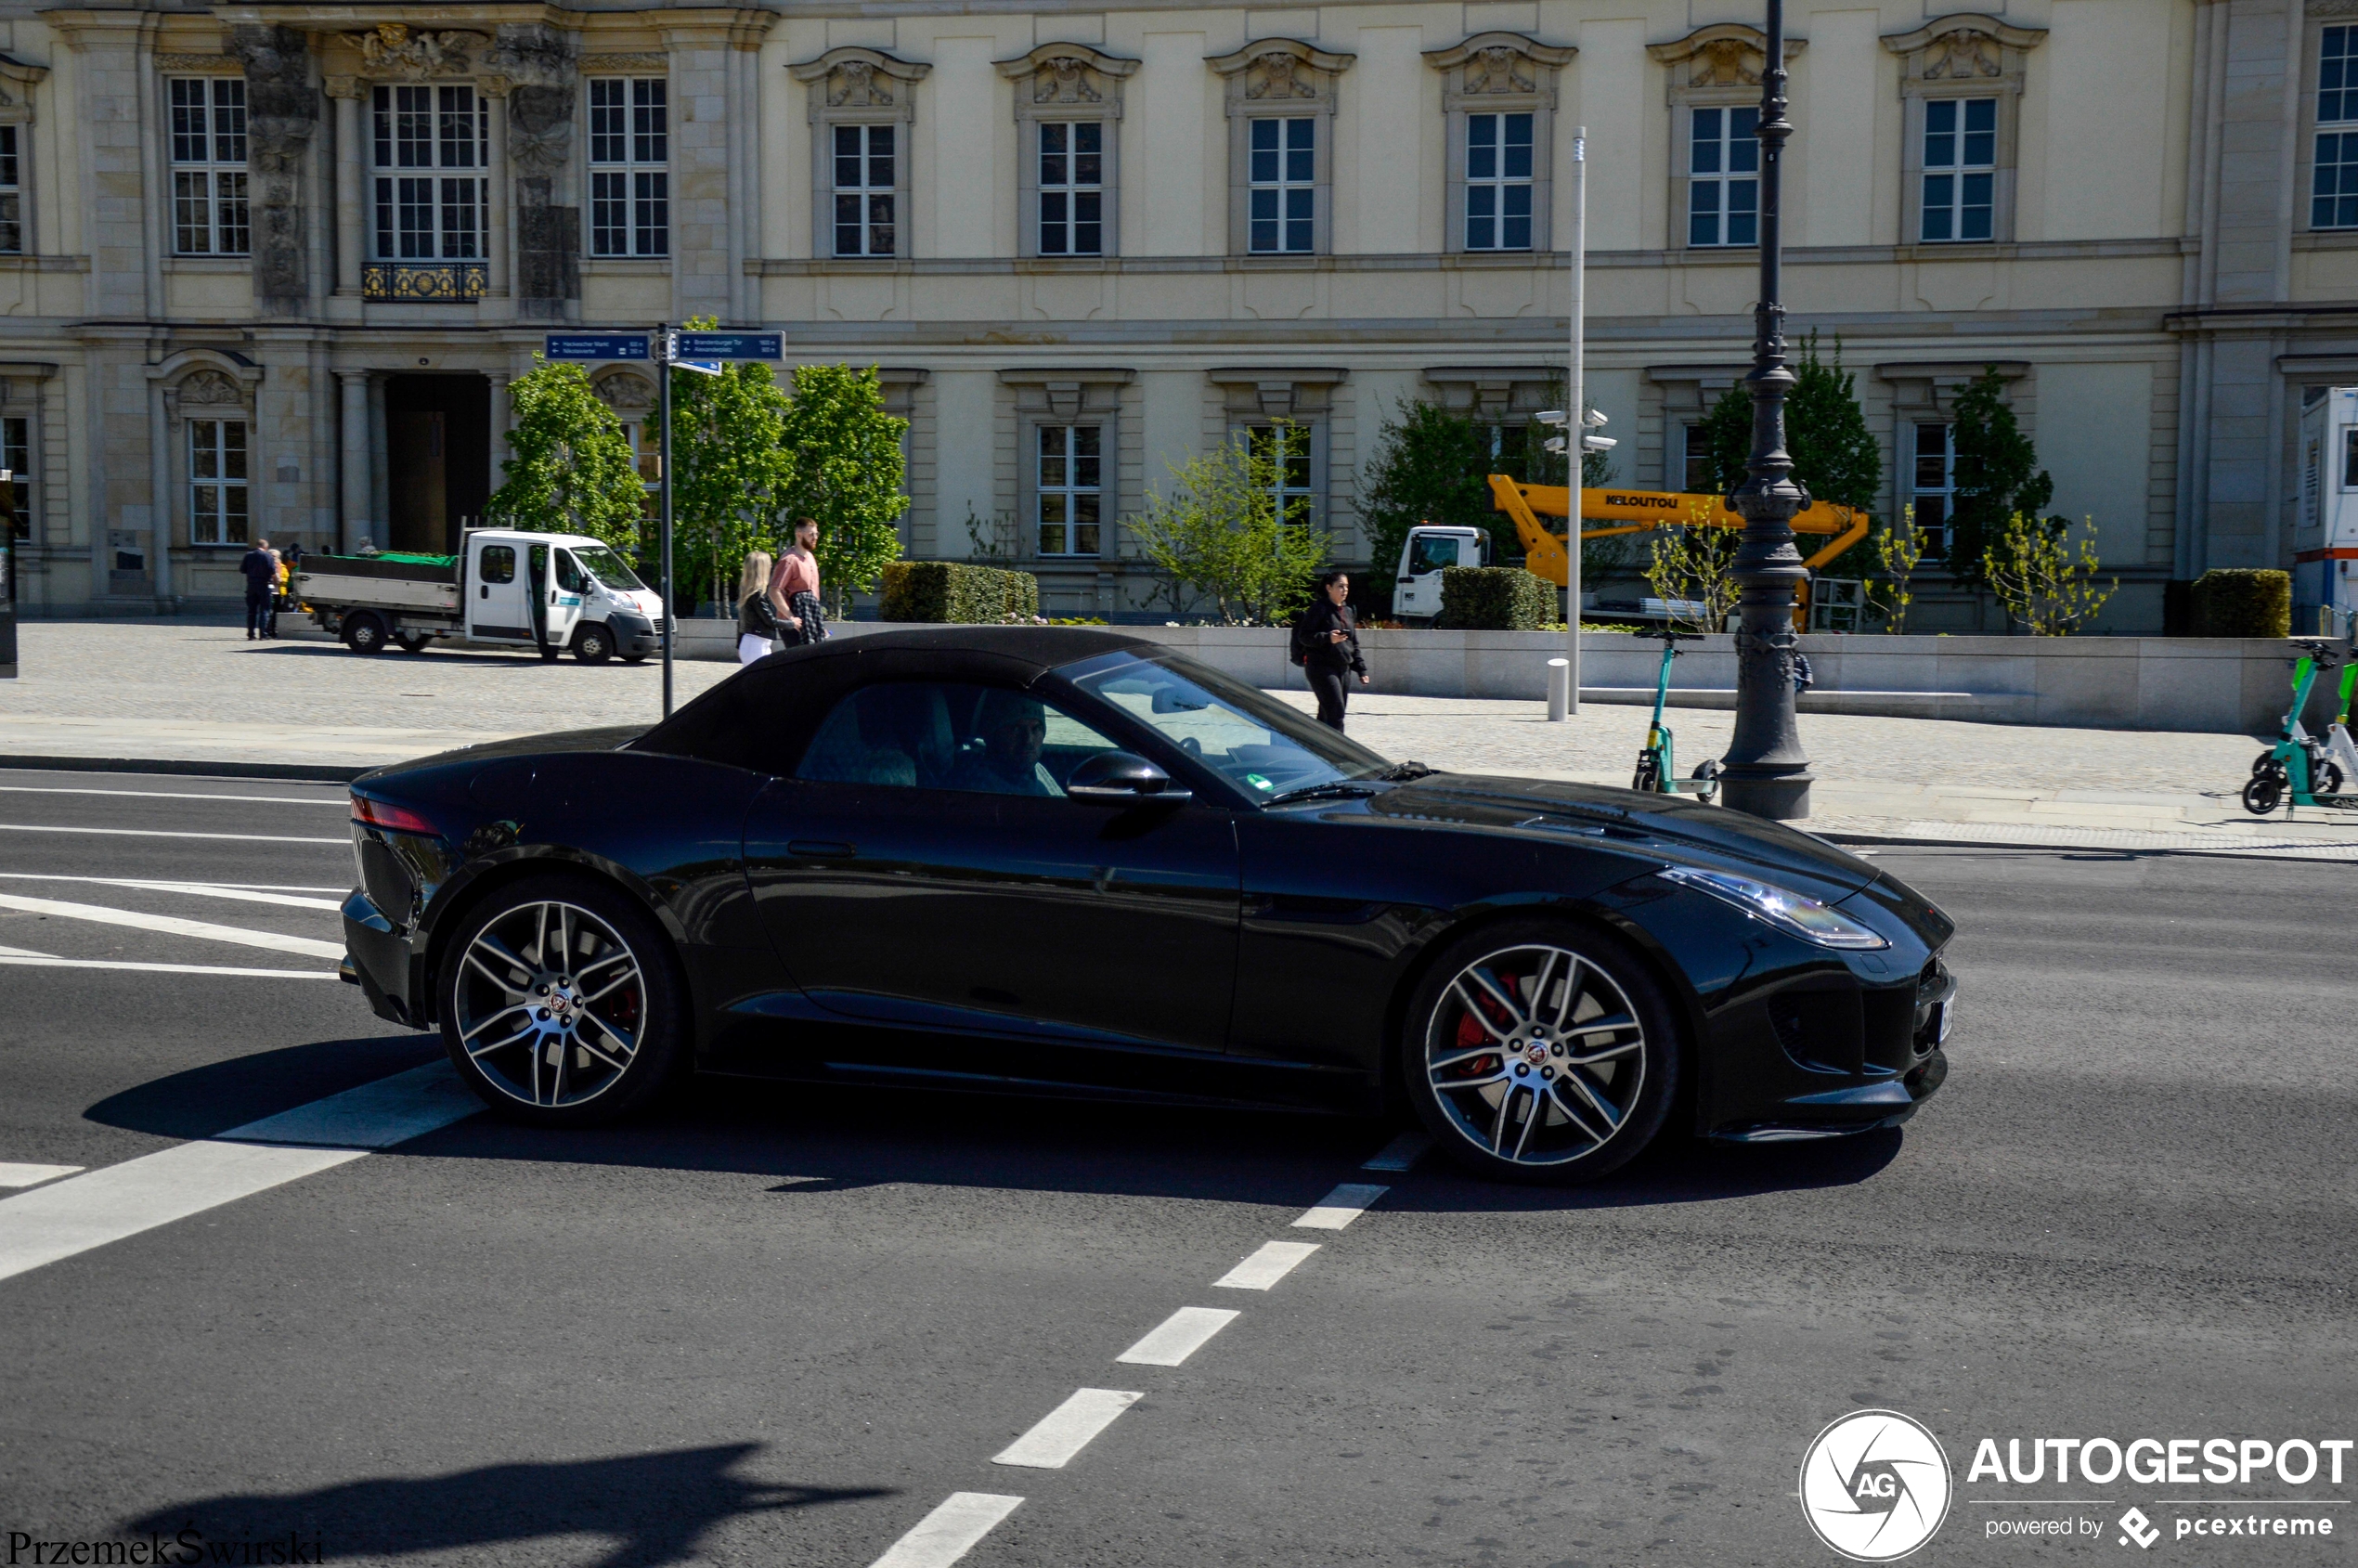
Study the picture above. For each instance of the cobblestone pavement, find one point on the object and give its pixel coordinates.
(177, 688)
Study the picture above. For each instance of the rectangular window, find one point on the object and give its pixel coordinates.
(1960, 163)
(1934, 486)
(1723, 177)
(217, 481)
(1071, 486)
(1284, 179)
(864, 190)
(209, 167)
(1072, 188)
(1498, 182)
(1284, 446)
(11, 195)
(16, 456)
(629, 167)
(423, 213)
(1695, 465)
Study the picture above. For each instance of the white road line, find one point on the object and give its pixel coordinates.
(309, 947)
(42, 961)
(1061, 1433)
(1401, 1154)
(1264, 1268)
(22, 952)
(33, 1175)
(292, 897)
(1179, 1336)
(98, 1207)
(949, 1531)
(338, 800)
(160, 833)
(1341, 1207)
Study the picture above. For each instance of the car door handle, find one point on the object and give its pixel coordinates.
(820, 849)
(483, 591)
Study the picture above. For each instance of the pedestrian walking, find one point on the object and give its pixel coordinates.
(756, 621)
(280, 578)
(260, 568)
(1326, 644)
(793, 589)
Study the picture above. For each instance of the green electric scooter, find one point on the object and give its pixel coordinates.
(1657, 774)
(2300, 768)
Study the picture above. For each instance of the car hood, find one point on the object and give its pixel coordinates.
(1671, 826)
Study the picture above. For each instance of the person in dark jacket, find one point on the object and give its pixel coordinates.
(261, 571)
(1326, 644)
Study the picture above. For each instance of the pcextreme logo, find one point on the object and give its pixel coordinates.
(1874, 1485)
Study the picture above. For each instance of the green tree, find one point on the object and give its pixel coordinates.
(845, 471)
(2051, 589)
(1835, 455)
(730, 469)
(1217, 533)
(1997, 476)
(1429, 466)
(572, 471)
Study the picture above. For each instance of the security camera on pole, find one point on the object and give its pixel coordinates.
(1563, 679)
(1766, 771)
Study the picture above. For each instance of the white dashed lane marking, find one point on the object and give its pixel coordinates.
(1341, 1207)
(1401, 1154)
(160, 833)
(337, 800)
(292, 897)
(949, 1531)
(174, 924)
(19, 958)
(1179, 1336)
(1066, 1430)
(98, 1207)
(32, 1175)
(1264, 1268)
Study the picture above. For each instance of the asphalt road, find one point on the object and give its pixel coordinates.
(782, 1327)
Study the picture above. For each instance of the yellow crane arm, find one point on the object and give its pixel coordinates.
(1638, 511)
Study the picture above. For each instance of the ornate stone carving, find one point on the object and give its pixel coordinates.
(1969, 46)
(344, 86)
(542, 69)
(1066, 73)
(1723, 54)
(282, 111)
(1273, 77)
(391, 49)
(862, 79)
(854, 83)
(197, 65)
(1966, 52)
(627, 394)
(1065, 80)
(210, 387)
(650, 61)
(1496, 69)
(1493, 65)
(1285, 70)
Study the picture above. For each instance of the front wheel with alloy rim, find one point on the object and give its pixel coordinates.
(561, 1005)
(593, 644)
(1540, 1052)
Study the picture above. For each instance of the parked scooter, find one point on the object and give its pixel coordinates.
(2299, 767)
(1656, 771)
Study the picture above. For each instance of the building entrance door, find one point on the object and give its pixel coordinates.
(437, 459)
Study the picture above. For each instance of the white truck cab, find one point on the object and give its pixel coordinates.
(2325, 572)
(544, 592)
(1416, 592)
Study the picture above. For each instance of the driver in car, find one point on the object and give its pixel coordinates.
(1013, 728)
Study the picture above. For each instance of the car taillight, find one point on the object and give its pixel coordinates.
(397, 819)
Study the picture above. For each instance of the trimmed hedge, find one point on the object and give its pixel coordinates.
(954, 591)
(2243, 603)
(1495, 599)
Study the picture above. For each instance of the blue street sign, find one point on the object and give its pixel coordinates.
(732, 346)
(596, 345)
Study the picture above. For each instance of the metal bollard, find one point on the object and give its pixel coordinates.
(1558, 689)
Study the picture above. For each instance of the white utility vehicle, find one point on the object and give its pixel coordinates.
(1431, 551)
(504, 587)
(2324, 572)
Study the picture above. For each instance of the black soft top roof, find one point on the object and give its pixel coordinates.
(1042, 646)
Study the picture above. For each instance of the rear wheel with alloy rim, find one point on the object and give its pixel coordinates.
(365, 633)
(1539, 1051)
(562, 1005)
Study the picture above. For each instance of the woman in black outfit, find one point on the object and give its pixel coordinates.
(1326, 644)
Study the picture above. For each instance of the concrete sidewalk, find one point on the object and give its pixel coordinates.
(192, 695)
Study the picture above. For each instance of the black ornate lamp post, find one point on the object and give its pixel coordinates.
(1765, 772)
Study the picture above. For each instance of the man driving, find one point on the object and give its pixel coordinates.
(1014, 727)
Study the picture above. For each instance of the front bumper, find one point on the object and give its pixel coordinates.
(1841, 1057)
(634, 636)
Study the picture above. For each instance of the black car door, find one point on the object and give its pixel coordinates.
(925, 869)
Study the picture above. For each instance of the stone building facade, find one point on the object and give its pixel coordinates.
(269, 267)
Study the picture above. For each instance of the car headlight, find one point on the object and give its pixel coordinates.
(1788, 911)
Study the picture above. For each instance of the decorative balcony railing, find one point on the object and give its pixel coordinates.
(436, 282)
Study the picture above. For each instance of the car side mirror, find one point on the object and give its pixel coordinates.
(1124, 777)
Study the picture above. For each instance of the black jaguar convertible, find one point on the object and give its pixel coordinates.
(1072, 862)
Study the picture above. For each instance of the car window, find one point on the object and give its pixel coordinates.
(610, 569)
(928, 735)
(499, 562)
(568, 572)
(1432, 553)
(1244, 734)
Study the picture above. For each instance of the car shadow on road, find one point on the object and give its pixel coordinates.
(806, 1139)
(656, 1508)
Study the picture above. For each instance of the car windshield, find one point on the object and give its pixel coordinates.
(1247, 736)
(608, 568)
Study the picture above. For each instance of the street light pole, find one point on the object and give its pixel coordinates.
(1576, 412)
(1765, 772)
(665, 355)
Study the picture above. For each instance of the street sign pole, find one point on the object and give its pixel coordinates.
(666, 346)
(1576, 412)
